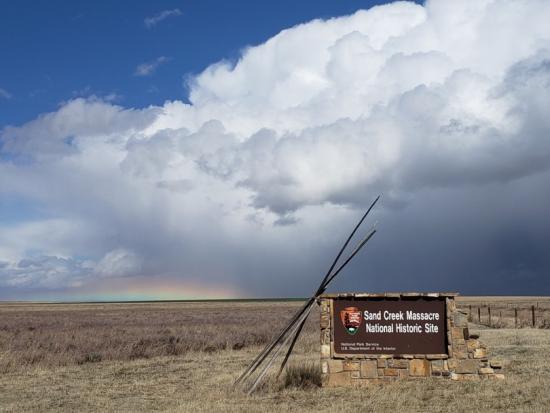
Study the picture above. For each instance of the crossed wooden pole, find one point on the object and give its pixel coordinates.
(294, 327)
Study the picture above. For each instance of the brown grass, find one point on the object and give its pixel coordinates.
(302, 375)
(199, 379)
(66, 334)
(503, 311)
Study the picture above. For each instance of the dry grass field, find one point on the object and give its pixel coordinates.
(508, 312)
(185, 357)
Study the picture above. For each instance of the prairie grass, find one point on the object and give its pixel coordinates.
(200, 379)
(302, 375)
(507, 312)
(68, 334)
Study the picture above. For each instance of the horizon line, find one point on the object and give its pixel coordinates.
(243, 299)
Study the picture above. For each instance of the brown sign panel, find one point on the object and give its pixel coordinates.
(389, 326)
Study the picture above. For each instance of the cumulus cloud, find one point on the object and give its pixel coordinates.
(441, 107)
(148, 68)
(44, 272)
(152, 21)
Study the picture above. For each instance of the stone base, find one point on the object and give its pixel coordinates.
(467, 357)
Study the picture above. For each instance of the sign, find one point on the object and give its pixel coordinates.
(389, 326)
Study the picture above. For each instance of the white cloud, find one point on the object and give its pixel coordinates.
(119, 263)
(148, 68)
(272, 151)
(45, 272)
(152, 21)
(5, 94)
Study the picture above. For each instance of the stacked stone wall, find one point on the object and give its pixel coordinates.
(466, 358)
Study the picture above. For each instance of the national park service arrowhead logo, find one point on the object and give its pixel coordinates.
(351, 319)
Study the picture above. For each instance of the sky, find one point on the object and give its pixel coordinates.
(58, 50)
(183, 150)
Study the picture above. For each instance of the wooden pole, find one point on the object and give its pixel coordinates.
(276, 353)
(479, 315)
(515, 317)
(489, 312)
(299, 318)
(533, 315)
(297, 333)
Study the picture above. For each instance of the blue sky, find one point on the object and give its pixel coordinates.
(225, 149)
(53, 51)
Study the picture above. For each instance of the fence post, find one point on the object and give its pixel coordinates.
(470, 313)
(479, 315)
(489, 312)
(533, 315)
(515, 317)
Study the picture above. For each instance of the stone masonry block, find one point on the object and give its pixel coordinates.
(391, 372)
(339, 379)
(420, 368)
(436, 356)
(398, 363)
(451, 305)
(480, 353)
(464, 377)
(335, 366)
(458, 333)
(403, 373)
(325, 336)
(351, 365)
(496, 364)
(468, 366)
(452, 364)
(460, 319)
(369, 369)
(472, 344)
(437, 366)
